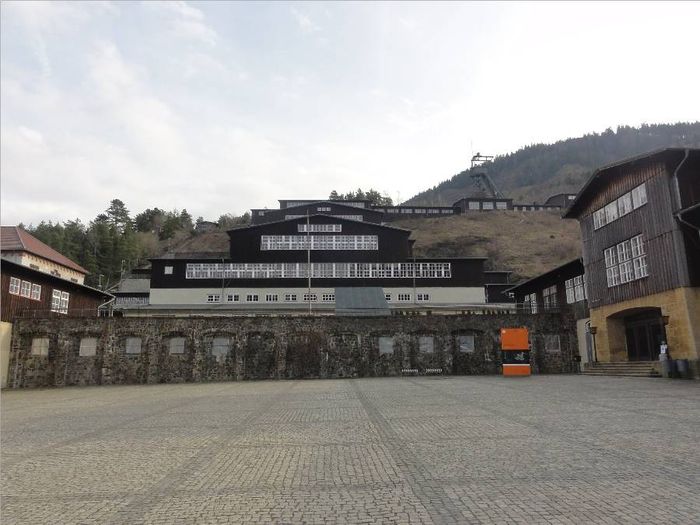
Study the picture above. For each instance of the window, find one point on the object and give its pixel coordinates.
(639, 196)
(530, 303)
(290, 297)
(271, 298)
(465, 344)
(310, 297)
(219, 348)
(26, 290)
(213, 298)
(501, 205)
(323, 208)
(40, 346)
(233, 298)
(473, 205)
(251, 298)
(14, 285)
(36, 292)
(425, 344)
(319, 228)
(487, 205)
(176, 345)
(575, 289)
(549, 297)
(88, 347)
(319, 242)
(386, 345)
(552, 343)
(328, 297)
(59, 301)
(387, 296)
(423, 296)
(626, 261)
(133, 345)
(168, 270)
(620, 207)
(404, 297)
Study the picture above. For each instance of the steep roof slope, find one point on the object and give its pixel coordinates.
(15, 239)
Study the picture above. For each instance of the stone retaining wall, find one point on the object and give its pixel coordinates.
(277, 348)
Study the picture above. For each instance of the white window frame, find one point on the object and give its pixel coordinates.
(233, 298)
(15, 286)
(251, 298)
(290, 297)
(626, 261)
(549, 297)
(423, 297)
(271, 298)
(404, 297)
(328, 297)
(310, 298)
(213, 298)
(36, 292)
(26, 290)
(167, 270)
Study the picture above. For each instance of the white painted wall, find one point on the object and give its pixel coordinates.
(5, 339)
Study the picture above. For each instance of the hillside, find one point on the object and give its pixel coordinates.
(534, 242)
(536, 172)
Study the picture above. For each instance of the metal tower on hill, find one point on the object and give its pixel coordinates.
(481, 178)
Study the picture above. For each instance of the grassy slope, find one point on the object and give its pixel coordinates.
(527, 243)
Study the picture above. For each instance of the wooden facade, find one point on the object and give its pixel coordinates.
(83, 300)
(666, 248)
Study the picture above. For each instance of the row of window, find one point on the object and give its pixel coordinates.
(428, 211)
(319, 242)
(575, 292)
(59, 299)
(576, 289)
(349, 217)
(626, 261)
(437, 270)
(272, 298)
(620, 207)
(487, 205)
(320, 228)
(221, 346)
(25, 289)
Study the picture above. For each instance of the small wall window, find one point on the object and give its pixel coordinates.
(310, 297)
(473, 205)
(425, 344)
(404, 297)
(220, 348)
(213, 298)
(15, 285)
(328, 297)
(549, 297)
(133, 345)
(487, 205)
(387, 296)
(465, 343)
(502, 205)
(251, 298)
(530, 303)
(177, 345)
(386, 345)
(36, 292)
(40, 346)
(290, 297)
(271, 298)
(552, 343)
(168, 270)
(423, 297)
(232, 298)
(88, 347)
(59, 301)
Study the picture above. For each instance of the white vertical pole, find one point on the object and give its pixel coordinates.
(308, 255)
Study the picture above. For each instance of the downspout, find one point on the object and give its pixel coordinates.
(675, 177)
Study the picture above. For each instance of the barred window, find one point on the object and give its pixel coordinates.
(40, 346)
(176, 345)
(133, 345)
(88, 347)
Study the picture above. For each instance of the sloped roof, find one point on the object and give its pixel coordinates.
(14, 239)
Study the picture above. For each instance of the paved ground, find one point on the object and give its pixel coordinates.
(546, 449)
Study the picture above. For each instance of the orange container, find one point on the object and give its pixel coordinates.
(514, 339)
(516, 370)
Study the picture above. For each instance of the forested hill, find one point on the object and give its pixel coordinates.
(535, 172)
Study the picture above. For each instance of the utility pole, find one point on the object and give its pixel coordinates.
(308, 256)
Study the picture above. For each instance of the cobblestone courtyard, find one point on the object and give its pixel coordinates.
(546, 449)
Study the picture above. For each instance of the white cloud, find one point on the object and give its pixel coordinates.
(304, 21)
(186, 21)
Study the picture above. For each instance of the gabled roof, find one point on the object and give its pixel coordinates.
(15, 239)
(333, 217)
(601, 174)
(336, 203)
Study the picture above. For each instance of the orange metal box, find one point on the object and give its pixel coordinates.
(514, 339)
(516, 370)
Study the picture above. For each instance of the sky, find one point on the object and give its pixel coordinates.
(222, 107)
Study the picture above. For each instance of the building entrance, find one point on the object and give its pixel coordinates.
(644, 333)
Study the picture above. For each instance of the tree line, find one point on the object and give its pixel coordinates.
(114, 242)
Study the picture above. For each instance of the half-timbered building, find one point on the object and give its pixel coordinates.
(641, 252)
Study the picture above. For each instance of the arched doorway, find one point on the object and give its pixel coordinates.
(644, 332)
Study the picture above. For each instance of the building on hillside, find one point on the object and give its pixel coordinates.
(133, 290)
(563, 200)
(639, 223)
(352, 210)
(563, 287)
(205, 226)
(37, 281)
(267, 270)
(466, 204)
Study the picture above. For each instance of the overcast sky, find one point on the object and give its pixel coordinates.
(220, 107)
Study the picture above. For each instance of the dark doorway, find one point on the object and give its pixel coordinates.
(644, 333)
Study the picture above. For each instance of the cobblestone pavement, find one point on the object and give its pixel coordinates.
(545, 449)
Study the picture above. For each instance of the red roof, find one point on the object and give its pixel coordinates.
(14, 239)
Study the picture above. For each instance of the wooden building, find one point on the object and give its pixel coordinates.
(36, 281)
(641, 253)
(563, 287)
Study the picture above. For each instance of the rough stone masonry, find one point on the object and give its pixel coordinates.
(104, 351)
